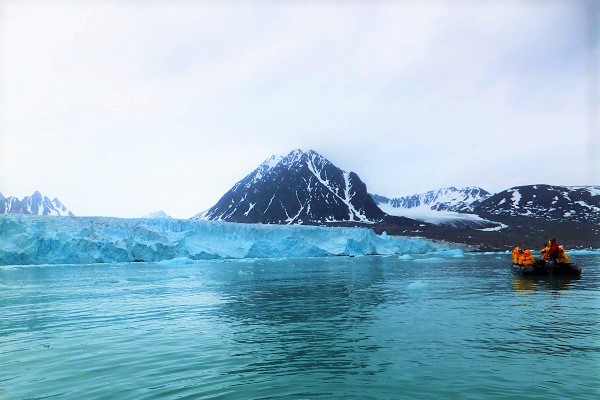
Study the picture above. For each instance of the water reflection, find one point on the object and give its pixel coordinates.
(313, 319)
(523, 283)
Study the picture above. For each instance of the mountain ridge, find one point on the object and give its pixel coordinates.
(443, 199)
(36, 204)
(552, 202)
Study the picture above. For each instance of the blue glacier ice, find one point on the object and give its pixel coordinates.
(51, 240)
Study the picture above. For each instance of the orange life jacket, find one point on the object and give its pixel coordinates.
(515, 254)
(563, 257)
(526, 258)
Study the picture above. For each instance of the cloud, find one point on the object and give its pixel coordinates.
(166, 106)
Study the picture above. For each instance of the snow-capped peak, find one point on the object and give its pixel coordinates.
(272, 161)
(37, 204)
(300, 187)
(444, 199)
(293, 157)
(278, 161)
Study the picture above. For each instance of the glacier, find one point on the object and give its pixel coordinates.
(80, 240)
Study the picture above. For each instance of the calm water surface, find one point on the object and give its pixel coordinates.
(335, 328)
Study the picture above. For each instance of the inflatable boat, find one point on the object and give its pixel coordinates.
(543, 268)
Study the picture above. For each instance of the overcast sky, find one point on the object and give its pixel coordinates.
(123, 108)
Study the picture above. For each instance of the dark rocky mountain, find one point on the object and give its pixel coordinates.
(554, 203)
(36, 204)
(300, 188)
(445, 199)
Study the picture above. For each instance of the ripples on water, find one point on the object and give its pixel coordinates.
(368, 328)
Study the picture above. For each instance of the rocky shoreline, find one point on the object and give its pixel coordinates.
(525, 232)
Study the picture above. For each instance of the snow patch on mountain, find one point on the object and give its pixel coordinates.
(447, 206)
(494, 229)
(516, 198)
(446, 218)
(594, 190)
(445, 199)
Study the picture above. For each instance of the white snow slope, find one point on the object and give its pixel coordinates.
(46, 240)
(448, 218)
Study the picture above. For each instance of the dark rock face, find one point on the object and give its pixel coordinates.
(446, 199)
(554, 203)
(300, 188)
(36, 204)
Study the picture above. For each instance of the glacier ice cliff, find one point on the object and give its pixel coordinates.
(47, 240)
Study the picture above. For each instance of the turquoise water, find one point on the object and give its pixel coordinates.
(329, 328)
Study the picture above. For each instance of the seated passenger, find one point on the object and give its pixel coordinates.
(515, 254)
(545, 250)
(553, 250)
(563, 257)
(526, 258)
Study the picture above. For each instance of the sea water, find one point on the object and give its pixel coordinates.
(324, 328)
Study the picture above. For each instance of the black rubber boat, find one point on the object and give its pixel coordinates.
(542, 268)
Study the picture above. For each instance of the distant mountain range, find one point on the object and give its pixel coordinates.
(446, 199)
(299, 188)
(305, 188)
(448, 206)
(36, 204)
(556, 203)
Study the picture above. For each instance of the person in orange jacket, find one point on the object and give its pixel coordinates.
(563, 257)
(522, 256)
(553, 251)
(526, 258)
(515, 254)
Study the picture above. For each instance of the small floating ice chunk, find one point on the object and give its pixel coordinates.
(405, 257)
(417, 285)
(431, 260)
(176, 261)
(454, 253)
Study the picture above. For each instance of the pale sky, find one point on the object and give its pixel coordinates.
(123, 108)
